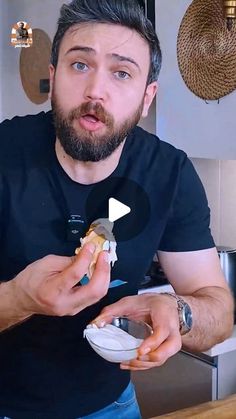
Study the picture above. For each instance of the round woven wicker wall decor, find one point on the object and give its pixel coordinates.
(34, 62)
(206, 50)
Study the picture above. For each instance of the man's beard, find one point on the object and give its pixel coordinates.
(85, 145)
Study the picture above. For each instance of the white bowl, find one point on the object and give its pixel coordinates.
(110, 347)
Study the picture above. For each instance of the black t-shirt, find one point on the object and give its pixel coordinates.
(48, 370)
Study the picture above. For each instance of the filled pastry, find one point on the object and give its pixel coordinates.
(100, 234)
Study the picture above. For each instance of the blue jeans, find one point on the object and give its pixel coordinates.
(125, 407)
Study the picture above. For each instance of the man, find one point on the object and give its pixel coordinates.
(21, 32)
(103, 77)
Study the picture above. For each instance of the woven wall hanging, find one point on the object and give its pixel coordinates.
(206, 49)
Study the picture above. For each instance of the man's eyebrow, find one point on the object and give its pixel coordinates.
(119, 57)
(81, 48)
(90, 50)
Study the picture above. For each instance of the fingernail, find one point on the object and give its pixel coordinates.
(91, 247)
(145, 351)
(106, 257)
(124, 365)
(99, 322)
(143, 358)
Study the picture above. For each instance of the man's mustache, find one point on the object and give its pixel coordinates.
(91, 108)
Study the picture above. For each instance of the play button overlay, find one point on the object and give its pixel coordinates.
(124, 202)
(117, 210)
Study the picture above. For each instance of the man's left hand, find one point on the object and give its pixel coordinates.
(160, 312)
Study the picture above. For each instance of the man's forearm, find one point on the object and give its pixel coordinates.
(212, 309)
(11, 313)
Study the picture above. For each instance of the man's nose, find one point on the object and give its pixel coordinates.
(96, 88)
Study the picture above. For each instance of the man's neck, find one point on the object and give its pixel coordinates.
(88, 173)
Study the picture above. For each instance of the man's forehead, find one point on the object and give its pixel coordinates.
(113, 37)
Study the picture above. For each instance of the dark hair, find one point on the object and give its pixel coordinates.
(124, 12)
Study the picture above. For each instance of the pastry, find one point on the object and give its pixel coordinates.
(100, 234)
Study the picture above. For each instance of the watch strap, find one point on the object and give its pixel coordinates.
(181, 304)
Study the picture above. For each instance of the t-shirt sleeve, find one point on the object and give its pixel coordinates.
(187, 227)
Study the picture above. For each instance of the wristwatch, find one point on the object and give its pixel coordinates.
(184, 312)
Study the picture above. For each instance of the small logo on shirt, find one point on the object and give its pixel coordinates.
(21, 35)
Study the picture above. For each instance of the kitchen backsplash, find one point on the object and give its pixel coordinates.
(219, 180)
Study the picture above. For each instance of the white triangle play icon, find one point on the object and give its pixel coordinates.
(117, 210)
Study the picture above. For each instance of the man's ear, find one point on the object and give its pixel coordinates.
(51, 79)
(150, 93)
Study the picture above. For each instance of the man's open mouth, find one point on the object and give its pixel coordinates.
(91, 118)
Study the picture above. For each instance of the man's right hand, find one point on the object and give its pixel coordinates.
(49, 285)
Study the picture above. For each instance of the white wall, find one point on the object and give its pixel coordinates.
(219, 178)
(41, 14)
(183, 119)
(149, 122)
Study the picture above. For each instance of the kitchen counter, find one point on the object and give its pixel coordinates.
(222, 348)
(220, 409)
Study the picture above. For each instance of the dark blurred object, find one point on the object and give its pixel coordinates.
(149, 9)
(230, 12)
(227, 257)
(154, 276)
(44, 85)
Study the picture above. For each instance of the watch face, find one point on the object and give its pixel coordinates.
(187, 316)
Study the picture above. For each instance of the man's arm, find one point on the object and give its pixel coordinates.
(198, 278)
(11, 311)
(49, 287)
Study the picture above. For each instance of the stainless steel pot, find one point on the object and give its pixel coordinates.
(227, 257)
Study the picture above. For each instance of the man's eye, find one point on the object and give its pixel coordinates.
(123, 75)
(80, 66)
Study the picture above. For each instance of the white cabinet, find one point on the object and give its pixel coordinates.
(183, 119)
